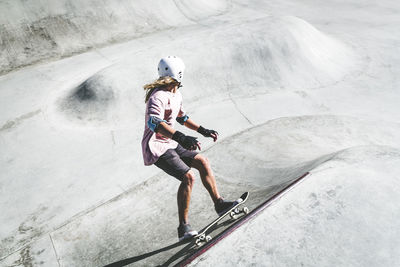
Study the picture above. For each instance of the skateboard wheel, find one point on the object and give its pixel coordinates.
(246, 210)
(232, 214)
(198, 242)
(208, 238)
(202, 237)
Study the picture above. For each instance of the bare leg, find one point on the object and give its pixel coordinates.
(202, 164)
(184, 194)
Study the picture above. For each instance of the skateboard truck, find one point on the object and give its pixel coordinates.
(233, 212)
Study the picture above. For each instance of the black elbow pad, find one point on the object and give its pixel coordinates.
(182, 120)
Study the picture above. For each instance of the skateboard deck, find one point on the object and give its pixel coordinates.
(238, 208)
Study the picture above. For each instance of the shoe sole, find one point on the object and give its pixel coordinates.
(224, 211)
(188, 235)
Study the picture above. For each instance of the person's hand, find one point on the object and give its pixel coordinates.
(208, 133)
(187, 142)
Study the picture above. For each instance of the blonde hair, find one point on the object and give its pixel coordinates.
(159, 83)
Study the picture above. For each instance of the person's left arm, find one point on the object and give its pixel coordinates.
(184, 119)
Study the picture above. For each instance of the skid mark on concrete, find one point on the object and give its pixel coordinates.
(17, 121)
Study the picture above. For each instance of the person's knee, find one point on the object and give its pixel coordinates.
(189, 178)
(204, 162)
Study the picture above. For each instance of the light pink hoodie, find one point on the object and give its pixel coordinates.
(164, 105)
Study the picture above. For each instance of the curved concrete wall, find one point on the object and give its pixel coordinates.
(32, 31)
(251, 59)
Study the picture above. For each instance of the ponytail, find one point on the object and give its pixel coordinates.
(159, 83)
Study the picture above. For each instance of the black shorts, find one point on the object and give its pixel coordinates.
(176, 162)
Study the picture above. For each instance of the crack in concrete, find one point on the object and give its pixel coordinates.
(241, 113)
(55, 251)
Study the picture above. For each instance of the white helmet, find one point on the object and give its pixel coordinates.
(171, 66)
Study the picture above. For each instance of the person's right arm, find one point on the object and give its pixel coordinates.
(157, 124)
(166, 130)
(188, 142)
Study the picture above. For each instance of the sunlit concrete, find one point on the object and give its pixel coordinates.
(291, 87)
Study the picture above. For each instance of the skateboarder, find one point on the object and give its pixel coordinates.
(171, 150)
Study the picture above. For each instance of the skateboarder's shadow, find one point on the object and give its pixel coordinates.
(191, 248)
(181, 254)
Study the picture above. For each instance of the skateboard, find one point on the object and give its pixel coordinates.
(233, 212)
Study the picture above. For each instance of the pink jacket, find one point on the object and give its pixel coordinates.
(164, 105)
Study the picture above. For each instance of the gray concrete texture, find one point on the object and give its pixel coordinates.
(33, 31)
(290, 86)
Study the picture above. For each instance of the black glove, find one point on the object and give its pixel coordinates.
(207, 133)
(188, 142)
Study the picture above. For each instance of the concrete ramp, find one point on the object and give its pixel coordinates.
(344, 214)
(135, 228)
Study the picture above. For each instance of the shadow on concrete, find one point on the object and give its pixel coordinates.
(127, 261)
(189, 249)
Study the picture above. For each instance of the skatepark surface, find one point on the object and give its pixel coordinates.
(291, 87)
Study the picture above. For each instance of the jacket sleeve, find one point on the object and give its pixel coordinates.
(182, 111)
(156, 110)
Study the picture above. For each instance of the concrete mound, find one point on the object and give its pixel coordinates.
(257, 57)
(344, 214)
(90, 101)
(267, 55)
(262, 156)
